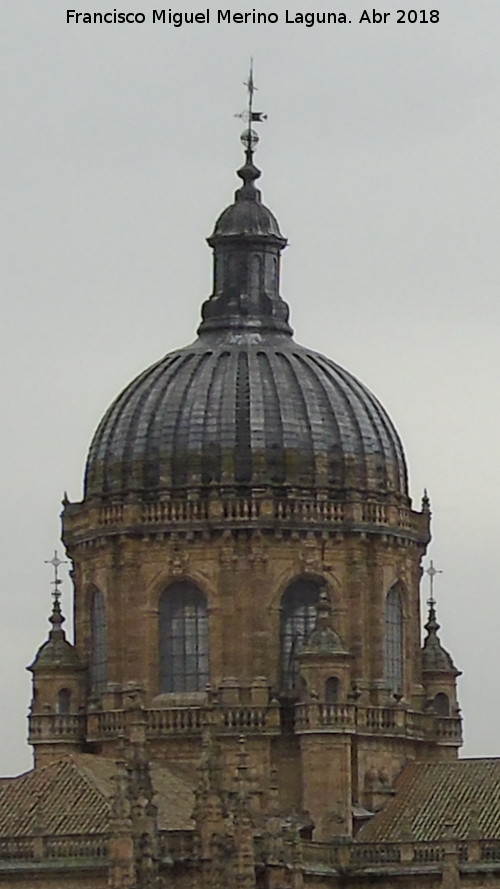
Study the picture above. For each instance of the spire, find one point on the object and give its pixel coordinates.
(323, 637)
(56, 652)
(247, 244)
(426, 503)
(250, 139)
(57, 617)
(434, 656)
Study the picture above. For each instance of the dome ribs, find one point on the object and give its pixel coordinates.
(376, 453)
(390, 444)
(136, 443)
(195, 418)
(211, 459)
(258, 422)
(152, 410)
(332, 441)
(298, 442)
(110, 439)
(181, 407)
(243, 466)
(273, 426)
(351, 436)
(227, 431)
(241, 412)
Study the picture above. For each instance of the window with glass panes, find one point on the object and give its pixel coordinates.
(298, 617)
(183, 639)
(394, 640)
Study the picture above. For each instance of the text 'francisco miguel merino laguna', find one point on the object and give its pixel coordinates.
(208, 16)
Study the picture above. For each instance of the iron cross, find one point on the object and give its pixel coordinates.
(431, 571)
(55, 562)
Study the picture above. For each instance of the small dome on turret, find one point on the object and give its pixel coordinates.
(323, 639)
(435, 658)
(246, 218)
(56, 652)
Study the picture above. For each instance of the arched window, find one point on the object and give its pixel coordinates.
(98, 643)
(394, 640)
(64, 701)
(298, 617)
(183, 639)
(332, 690)
(441, 704)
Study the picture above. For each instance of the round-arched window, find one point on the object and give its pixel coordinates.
(332, 690)
(394, 640)
(441, 704)
(184, 663)
(298, 617)
(64, 701)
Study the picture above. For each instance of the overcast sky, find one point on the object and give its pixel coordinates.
(380, 158)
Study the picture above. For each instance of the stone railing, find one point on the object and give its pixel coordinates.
(310, 717)
(318, 716)
(448, 730)
(177, 845)
(174, 721)
(68, 727)
(74, 846)
(321, 717)
(230, 510)
(354, 854)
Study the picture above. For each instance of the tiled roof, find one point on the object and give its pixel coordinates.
(73, 796)
(464, 793)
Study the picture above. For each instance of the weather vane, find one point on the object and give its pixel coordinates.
(55, 562)
(431, 571)
(249, 137)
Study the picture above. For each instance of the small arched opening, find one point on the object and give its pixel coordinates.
(332, 690)
(63, 705)
(441, 704)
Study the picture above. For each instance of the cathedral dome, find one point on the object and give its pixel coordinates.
(251, 410)
(244, 407)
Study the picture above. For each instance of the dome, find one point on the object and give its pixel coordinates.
(245, 410)
(245, 407)
(247, 218)
(435, 658)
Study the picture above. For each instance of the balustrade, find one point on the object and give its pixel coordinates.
(174, 720)
(42, 726)
(375, 853)
(177, 845)
(308, 716)
(75, 846)
(54, 847)
(110, 722)
(17, 848)
(293, 509)
(449, 728)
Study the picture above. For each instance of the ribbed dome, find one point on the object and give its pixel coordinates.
(245, 410)
(247, 218)
(245, 407)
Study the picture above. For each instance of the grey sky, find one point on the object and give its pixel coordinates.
(380, 159)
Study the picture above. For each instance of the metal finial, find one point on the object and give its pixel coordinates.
(55, 562)
(432, 571)
(249, 137)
